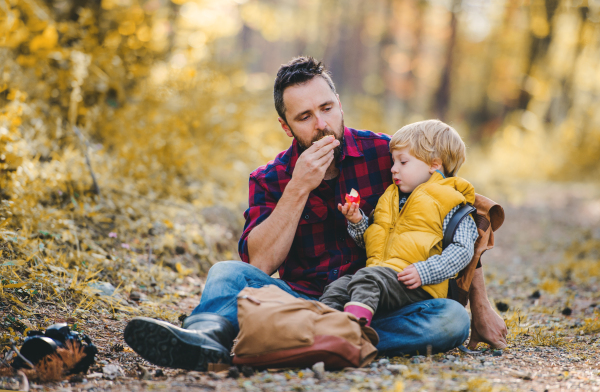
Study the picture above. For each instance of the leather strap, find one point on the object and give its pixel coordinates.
(458, 216)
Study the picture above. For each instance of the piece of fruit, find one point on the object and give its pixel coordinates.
(353, 197)
(323, 138)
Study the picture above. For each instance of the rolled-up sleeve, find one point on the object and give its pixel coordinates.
(261, 204)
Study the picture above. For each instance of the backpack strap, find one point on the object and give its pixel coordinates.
(458, 216)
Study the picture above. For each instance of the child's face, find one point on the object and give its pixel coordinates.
(408, 171)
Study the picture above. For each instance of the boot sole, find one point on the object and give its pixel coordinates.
(158, 344)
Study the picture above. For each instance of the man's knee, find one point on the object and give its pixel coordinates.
(227, 269)
(234, 270)
(456, 320)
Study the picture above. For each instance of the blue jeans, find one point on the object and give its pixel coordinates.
(441, 323)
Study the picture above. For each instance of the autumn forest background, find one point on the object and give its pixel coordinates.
(128, 128)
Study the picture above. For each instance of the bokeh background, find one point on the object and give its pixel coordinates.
(174, 97)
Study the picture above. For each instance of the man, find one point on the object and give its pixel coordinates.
(293, 226)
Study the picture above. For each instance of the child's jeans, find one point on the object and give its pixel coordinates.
(377, 287)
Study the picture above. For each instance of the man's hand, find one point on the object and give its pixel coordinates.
(270, 242)
(487, 327)
(410, 277)
(313, 163)
(351, 212)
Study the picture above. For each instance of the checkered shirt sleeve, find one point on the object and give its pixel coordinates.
(357, 230)
(455, 257)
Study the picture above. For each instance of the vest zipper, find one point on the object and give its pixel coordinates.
(394, 214)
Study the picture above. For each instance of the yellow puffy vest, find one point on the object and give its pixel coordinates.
(398, 239)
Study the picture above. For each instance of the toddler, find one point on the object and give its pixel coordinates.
(405, 262)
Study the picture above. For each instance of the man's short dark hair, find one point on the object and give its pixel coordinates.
(299, 70)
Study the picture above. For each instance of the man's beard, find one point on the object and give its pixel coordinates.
(337, 151)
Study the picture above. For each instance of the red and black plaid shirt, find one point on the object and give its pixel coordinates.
(322, 250)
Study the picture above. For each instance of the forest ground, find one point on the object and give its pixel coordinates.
(549, 306)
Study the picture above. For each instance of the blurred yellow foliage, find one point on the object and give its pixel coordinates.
(550, 285)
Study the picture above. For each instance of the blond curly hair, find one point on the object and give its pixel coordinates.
(431, 139)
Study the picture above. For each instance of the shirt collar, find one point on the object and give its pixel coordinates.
(349, 148)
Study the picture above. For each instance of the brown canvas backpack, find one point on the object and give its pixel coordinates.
(279, 330)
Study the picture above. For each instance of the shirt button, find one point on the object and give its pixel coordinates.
(347, 261)
(335, 271)
(306, 216)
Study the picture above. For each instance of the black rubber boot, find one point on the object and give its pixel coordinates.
(205, 338)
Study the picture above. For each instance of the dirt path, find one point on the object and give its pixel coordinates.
(554, 324)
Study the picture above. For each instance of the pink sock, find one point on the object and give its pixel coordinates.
(360, 310)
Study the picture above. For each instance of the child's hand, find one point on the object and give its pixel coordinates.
(351, 212)
(410, 277)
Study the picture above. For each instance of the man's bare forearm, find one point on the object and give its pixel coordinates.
(269, 243)
(486, 325)
(477, 293)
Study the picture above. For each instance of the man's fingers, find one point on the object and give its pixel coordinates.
(328, 141)
(323, 149)
(473, 344)
(324, 141)
(323, 160)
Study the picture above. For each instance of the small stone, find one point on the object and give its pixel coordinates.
(279, 378)
(536, 295)
(159, 373)
(497, 353)
(309, 382)
(487, 363)
(134, 296)
(233, 372)
(384, 362)
(103, 288)
(319, 369)
(397, 369)
(567, 311)
(523, 375)
(112, 371)
(450, 357)
(501, 306)
(247, 371)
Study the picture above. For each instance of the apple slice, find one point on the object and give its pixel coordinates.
(353, 197)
